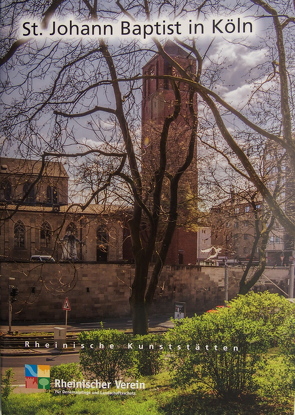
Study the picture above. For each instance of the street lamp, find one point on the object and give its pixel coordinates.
(12, 293)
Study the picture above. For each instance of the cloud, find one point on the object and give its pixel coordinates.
(254, 57)
(239, 96)
(89, 143)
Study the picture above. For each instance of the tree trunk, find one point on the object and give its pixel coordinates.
(245, 286)
(138, 290)
(139, 316)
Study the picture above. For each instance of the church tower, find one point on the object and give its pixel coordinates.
(158, 92)
(158, 103)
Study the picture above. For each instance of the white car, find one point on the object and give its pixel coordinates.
(42, 258)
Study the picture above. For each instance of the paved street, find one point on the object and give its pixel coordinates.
(120, 323)
(11, 359)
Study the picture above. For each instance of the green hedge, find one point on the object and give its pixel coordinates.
(227, 344)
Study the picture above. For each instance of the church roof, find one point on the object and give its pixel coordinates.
(14, 166)
(92, 209)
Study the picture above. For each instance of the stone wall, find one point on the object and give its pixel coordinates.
(97, 291)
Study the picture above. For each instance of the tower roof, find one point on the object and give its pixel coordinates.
(173, 49)
(31, 167)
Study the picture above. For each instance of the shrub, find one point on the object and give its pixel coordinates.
(147, 355)
(68, 372)
(274, 377)
(225, 346)
(287, 339)
(6, 381)
(272, 309)
(105, 355)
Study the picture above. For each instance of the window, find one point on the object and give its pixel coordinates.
(275, 239)
(19, 235)
(180, 258)
(5, 191)
(45, 234)
(52, 195)
(236, 225)
(237, 210)
(29, 193)
(167, 71)
(247, 209)
(102, 242)
(246, 236)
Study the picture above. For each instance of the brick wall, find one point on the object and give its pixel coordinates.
(97, 291)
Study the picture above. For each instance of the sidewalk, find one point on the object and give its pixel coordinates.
(112, 323)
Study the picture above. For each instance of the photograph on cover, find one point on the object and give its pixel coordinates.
(147, 207)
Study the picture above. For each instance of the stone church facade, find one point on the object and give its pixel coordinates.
(36, 219)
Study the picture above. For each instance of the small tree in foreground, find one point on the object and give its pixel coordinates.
(104, 355)
(6, 381)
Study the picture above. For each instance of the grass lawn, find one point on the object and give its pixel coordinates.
(159, 397)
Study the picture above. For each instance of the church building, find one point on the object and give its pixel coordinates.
(36, 218)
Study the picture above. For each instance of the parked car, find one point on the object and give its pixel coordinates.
(42, 258)
(229, 261)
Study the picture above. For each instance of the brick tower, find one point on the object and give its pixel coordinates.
(157, 104)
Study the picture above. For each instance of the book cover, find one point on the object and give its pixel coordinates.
(147, 207)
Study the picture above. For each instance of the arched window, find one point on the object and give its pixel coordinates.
(5, 191)
(30, 197)
(45, 234)
(102, 244)
(19, 234)
(69, 243)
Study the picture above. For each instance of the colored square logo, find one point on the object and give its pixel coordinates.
(37, 376)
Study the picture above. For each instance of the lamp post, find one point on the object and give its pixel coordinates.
(291, 281)
(10, 304)
(225, 282)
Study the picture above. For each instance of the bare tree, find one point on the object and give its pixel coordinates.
(73, 97)
(273, 121)
(241, 221)
(93, 85)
